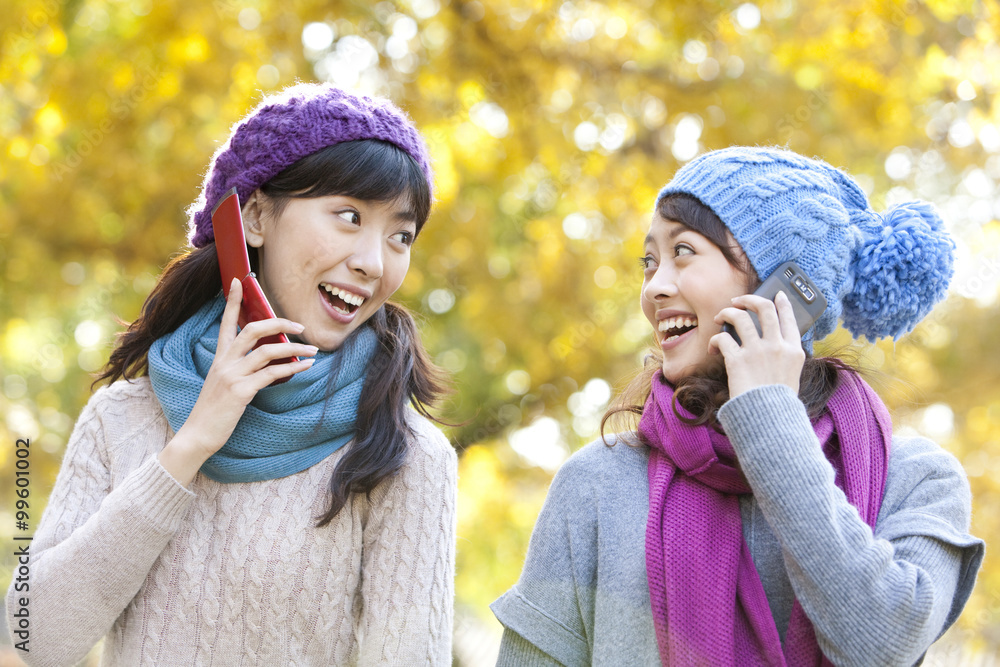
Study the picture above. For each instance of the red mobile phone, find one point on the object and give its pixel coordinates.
(808, 303)
(234, 262)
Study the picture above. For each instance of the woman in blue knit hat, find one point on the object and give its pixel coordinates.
(216, 508)
(762, 512)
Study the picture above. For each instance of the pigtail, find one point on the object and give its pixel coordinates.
(400, 374)
(188, 282)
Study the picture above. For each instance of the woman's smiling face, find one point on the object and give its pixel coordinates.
(330, 262)
(687, 280)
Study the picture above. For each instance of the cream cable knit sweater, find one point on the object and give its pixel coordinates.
(227, 574)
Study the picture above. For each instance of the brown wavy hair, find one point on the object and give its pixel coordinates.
(703, 392)
(400, 374)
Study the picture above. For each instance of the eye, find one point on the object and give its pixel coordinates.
(682, 249)
(350, 215)
(647, 263)
(406, 238)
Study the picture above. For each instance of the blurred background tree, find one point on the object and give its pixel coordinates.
(552, 125)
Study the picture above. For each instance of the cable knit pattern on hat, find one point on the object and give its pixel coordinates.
(881, 275)
(230, 574)
(288, 126)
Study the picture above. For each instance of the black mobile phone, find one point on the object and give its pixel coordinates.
(807, 301)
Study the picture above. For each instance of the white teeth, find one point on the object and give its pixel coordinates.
(352, 299)
(677, 322)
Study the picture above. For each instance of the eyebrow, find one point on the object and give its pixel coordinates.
(674, 233)
(406, 214)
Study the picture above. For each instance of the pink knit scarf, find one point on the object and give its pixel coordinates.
(709, 606)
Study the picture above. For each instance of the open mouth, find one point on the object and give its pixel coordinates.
(342, 301)
(672, 327)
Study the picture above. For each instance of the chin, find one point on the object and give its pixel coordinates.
(712, 366)
(673, 377)
(331, 344)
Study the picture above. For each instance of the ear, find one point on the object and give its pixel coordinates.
(254, 223)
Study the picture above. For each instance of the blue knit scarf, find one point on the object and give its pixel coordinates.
(287, 427)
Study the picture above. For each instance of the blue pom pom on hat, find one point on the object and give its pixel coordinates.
(880, 274)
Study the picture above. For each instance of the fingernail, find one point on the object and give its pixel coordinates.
(299, 327)
(310, 361)
(312, 349)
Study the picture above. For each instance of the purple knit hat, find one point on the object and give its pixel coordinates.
(288, 126)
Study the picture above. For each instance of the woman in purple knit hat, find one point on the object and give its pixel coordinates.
(216, 508)
(759, 509)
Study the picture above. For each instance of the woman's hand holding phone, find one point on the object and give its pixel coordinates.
(773, 357)
(238, 372)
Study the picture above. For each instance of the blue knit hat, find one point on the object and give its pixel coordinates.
(881, 274)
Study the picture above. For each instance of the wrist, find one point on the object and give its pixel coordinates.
(766, 407)
(184, 455)
(193, 442)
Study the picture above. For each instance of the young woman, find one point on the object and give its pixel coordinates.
(763, 514)
(205, 516)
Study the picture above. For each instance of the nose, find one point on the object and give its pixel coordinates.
(662, 284)
(366, 260)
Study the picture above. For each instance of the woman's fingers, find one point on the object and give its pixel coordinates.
(777, 318)
(766, 313)
(774, 356)
(265, 354)
(230, 316)
(254, 331)
(267, 375)
(724, 343)
(242, 341)
(786, 318)
(239, 371)
(740, 320)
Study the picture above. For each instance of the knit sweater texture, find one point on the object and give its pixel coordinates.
(874, 597)
(236, 574)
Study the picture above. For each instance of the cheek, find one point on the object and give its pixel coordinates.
(311, 260)
(648, 308)
(395, 272)
(295, 269)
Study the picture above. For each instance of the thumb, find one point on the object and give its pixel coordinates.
(230, 316)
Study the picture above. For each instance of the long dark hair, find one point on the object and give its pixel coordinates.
(703, 392)
(401, 373)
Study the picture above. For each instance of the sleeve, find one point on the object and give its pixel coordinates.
(879, 598)
(516, 651)
(547, 609)
(94, 546)
(408, 559)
